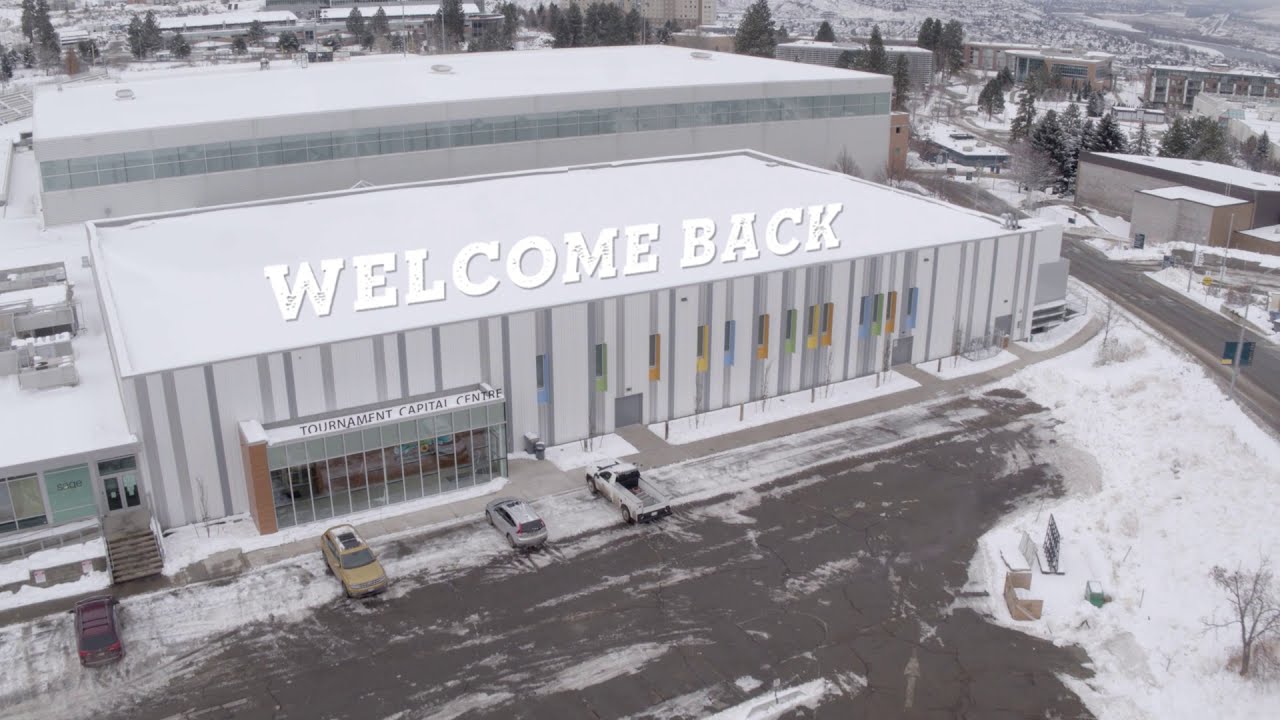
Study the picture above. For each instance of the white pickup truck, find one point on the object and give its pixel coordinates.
(621, 483)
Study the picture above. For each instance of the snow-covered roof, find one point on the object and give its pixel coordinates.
(1216, 71)
(1203, 197)
(1092, 56)
(1002, 45)
(50, 294)
(1269, 233)
(1216, 172)
(188, 288)
(217, 20)
(971, 146)
(392, 11)
(193, 98)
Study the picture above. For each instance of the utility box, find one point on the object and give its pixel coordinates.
(1093, 593)
(534, 446)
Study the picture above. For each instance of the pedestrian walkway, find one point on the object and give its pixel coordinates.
(531, 479)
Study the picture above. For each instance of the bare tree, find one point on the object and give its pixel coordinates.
(1252, 604)
(1031, 169)
(764, 385)
(846, 164)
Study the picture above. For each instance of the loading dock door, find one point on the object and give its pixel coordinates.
(628, 410)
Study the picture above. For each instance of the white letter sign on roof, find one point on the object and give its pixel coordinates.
(515, 262)
(368, 281)
(462, 269)
(640, 259)
(820, 233)
(699, 249)
(771, 241)
(742, 239)
(416, 261)
(321, 294)
(597, 261)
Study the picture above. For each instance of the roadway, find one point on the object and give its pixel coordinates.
(1198, 330)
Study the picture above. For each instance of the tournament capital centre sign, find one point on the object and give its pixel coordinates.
(478, 268)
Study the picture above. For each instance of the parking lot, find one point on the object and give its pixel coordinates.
(847, 571)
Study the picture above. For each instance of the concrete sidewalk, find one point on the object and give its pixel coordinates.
(531, 479)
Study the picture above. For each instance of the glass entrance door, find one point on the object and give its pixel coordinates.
(120, 483)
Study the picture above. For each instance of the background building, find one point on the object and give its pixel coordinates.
(1108, 181)
(950, 144)
(238, 409)
(1178, 85)
(1069, 68)
(919, 60)
(1244, 119)
(683, 13)
(1181, 213)
(208, 138)
(991, 56)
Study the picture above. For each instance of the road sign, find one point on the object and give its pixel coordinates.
(1052, 543)
(1207, 281)
(1229, 353)
(1139, 241)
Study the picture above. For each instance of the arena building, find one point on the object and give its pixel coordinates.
(212, 136)
(309, 357)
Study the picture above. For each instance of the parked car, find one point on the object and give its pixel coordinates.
(98, 631)
(352, 560)
(622, 485)
(516, 520)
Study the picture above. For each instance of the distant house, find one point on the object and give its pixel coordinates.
(949, 144)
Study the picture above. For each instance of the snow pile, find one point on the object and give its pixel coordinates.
(19, 570)
(777, 703)
(960, 366)
(756, 413)
(1182, 481)
(579, 454)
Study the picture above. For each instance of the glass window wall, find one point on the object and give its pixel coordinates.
(320, 147)
(21, 505)
(332, 476)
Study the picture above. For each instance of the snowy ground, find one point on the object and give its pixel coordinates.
(1117, 249)
(960, 366)
(725, 420)
(1164, 479)
(1054, 337)
(571, 456)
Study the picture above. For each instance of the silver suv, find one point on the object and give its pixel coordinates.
(516, 520)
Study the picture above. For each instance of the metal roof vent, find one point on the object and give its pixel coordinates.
(122, 94)
(699, 55)
(442, 69)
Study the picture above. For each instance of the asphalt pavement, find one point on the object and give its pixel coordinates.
(1197, 329)
(848, 572)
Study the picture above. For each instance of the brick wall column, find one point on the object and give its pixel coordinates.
(257, 478)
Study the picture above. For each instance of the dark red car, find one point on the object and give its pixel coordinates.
(97, 631)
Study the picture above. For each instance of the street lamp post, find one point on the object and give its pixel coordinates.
(1244, 322)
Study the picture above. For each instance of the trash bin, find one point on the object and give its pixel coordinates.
(534, 446)
(1093, 593)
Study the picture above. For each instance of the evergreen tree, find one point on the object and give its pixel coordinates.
(1110, 138)
(877, 61)
(1142, 142)
(492, 39)
(825, 33)
(924, 38)
(152, 38)
(1072, 122)
(1210, 141)
(28, 57)
(575, 20)
(257, 32)
(1088, 137)
(1049, 138)
(901, 82)
(29, 20)
(179, 46)
(454, 19)
(1097, 104)
(553, 17)
(561, 36)
(239, 46)
(6, 66)
(850, 59)
(511, 23)
(1005, 77)
(379, 25)
(46, 38)
(355, 22)
(951, 45)
(1262, 151)
(991, 100)
(367, 42)
(1176, 142)
(756, 35)
(137, 45)
(289, 42)
(1025, 119)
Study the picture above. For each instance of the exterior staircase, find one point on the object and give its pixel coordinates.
(133, 551)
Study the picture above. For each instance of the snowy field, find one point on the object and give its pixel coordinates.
(1164, 478)
(726, 420)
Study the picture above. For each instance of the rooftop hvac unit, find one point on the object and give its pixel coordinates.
(442, 69)
(699, 55)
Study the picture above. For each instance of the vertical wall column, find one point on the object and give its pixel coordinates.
(257, 477)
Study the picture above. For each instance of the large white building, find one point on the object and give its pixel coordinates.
(448, 318)
(223, 135)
